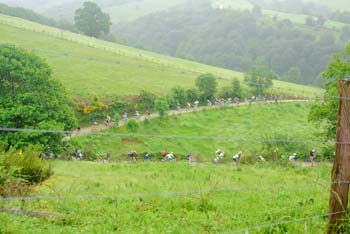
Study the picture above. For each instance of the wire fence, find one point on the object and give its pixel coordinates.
(107, 47)
(174, 193)
(270, 225)
(199, 138)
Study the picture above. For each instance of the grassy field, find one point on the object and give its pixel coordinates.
(295, 18)
(152, 198)
(89, 67)
(241, 128)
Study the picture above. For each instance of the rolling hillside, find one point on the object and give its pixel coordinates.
(88, 66)
(120, 10)
(295, 18)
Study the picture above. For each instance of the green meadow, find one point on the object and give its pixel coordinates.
(230, 128)
(90, 67)
(175, 198)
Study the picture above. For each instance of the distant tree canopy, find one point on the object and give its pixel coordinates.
(325, 113)
(91, 20)
(207, 86)
(236, 40)
(259, 78)
(30, 98)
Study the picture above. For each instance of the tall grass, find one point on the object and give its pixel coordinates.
(247, 196)
(19, 169)
(249, 125)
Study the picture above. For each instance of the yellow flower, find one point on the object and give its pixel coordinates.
(20, 153)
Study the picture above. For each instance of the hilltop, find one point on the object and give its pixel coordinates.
(88, 66)
(120, 10)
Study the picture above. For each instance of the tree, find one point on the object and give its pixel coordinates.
(309, 21)
(91, 20)
(236, 88)
(294, 75)
(206, 85)
(146, 100)
(179, 95)
(161, 106)
(325, 113)
(259, 78)
(30, 98)
(320, 21)
(192, 95)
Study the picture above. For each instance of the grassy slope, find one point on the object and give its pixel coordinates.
(305, 194)
(281, 121)
(119, 70)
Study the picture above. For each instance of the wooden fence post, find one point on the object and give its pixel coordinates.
(338, 200)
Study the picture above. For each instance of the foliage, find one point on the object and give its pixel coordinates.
(146, 100)
(161, 106)
(293, 75)
(177, 95)
(259, 78)
(30, 98)
(132, 125)
(325, 113)
(225, 92)
(192, 95)
(117, 118)
(91, 20)
(207, 86)
(19, 168)
(275, 150)
(237, 40)
(236, 88)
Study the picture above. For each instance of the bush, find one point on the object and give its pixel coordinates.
(274, 149)
(18, 169)
(132, 125)
(161, 106)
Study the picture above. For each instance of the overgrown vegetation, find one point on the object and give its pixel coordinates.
(30, 98)
(19, 170)
(247, 196)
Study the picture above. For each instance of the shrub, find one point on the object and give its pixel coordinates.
(18, 169)
(132, 125)
(161, 106)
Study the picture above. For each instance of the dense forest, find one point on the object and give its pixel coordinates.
(238, 40)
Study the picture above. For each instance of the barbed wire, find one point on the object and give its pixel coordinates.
(246, 230)
(176, 193)
(111, 134)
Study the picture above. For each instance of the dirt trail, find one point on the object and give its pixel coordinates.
(101, 127)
